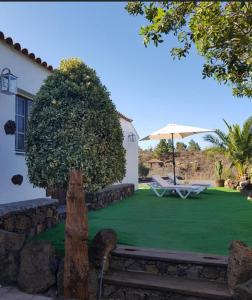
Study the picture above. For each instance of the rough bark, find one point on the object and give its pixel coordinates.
(76, 248)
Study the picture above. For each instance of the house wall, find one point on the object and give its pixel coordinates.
(131, 153)
(30, 77)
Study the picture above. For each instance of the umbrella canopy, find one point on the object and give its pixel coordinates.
(174, 131)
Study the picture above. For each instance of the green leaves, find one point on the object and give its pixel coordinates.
(237, 144)
(221, 31)
(135, 8)
(180, 146)
(143, 170)
(164, 147)
(74, 124)
(193, 146)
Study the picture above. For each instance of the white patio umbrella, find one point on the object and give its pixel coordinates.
(174, 131)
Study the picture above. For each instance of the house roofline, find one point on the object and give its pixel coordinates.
(124, 117)
(17, 46)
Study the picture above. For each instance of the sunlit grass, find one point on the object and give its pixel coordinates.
(207, 223)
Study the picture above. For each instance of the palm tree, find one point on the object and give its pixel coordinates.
(236, 144)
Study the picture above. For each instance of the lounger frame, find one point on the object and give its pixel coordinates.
(161, 187)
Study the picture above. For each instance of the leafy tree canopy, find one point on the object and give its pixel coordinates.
(193, 146)
(236, 144)
(74, 125)
(181, 146)
(163, 148)
(143, 170)
(221, 31)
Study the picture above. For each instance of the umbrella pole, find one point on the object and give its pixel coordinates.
(173, 161)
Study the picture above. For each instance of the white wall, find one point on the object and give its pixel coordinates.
(131, 153)
(30, 77)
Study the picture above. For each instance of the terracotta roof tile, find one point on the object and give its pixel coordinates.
(24, 51)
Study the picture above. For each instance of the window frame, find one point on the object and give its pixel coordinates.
(26, 103)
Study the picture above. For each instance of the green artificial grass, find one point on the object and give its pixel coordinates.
(206, 223)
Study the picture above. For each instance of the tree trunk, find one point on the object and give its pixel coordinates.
(76, 232)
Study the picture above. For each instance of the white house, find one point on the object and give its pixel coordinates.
(31, 71)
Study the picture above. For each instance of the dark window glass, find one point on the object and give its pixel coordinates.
(23, 108)
(20, 106)
(19, 142)
(20, 123)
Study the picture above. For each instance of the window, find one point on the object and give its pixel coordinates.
(23, 108)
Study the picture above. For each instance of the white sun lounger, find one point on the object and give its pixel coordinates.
(201, 187)
(204, 186)
(161, 187)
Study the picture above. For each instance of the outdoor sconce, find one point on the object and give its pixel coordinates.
(131, 137)
(8, 82)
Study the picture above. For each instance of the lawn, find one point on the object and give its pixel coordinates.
(206, 223)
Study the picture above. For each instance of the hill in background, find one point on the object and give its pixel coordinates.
(189, 164)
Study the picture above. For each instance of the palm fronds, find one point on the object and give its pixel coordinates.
(237, 144)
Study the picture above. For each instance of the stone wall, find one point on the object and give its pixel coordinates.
(11, 244)
(29, 217)
(109, 195)
(126, 293)
(19, 222)
(98, 199)
(35, 267)
(22, 220)
(169, 268)
(32, 217)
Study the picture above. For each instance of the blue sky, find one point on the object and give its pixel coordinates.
(146, 84)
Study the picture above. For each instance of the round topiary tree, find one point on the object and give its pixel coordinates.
(74, 140)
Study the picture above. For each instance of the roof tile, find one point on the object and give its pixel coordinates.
(17, 46)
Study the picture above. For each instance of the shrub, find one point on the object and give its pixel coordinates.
(143, 170)
(74, 125)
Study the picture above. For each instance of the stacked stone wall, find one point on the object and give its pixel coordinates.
(109, 195)
(100, 199)
(19, 222)
(29, 217)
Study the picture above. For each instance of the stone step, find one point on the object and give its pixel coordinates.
(170, 263)
(143, 286)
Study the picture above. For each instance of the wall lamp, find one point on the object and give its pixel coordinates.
(8, 82)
